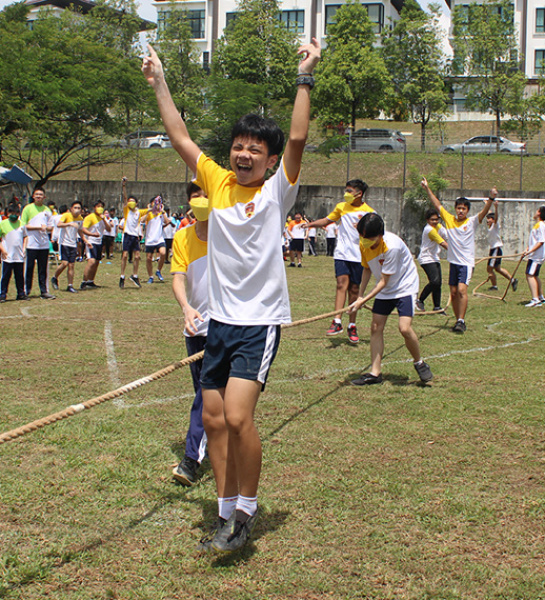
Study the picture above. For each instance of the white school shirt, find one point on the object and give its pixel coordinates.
(12, 236)
(246, 274)
(430, 248)
(348, 238)
(537, 234)
(69, 235)
(461, 239)
(392, 257)
(36, 216)
(154, 229)
(494, 237)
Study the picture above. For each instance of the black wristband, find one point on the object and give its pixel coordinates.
(305, 79)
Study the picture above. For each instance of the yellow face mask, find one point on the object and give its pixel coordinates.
(348, 197)
(131, 205)
(367, 243)
(199, 206)
(99, 210)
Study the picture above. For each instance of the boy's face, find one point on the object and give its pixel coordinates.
(489, 221)
(537, 216)
(461, 211)
(38, 196)
(249, 159)
(433, 220)
(199, 194)
(76, 210)
(297, 218)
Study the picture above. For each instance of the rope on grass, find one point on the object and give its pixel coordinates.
(74, 409)
(509, 285)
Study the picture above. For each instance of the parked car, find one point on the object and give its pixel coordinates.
(146, 139)
(377, 140)
(486, 144)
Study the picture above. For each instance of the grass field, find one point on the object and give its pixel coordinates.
(396, 492)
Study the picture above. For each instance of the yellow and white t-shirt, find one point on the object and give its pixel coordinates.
(69, 235)
(296, 230)
(392, 257)
(461, 239)
(94, 224)
(348, 238)
(154, 229)
(36, 216)
(537, 234)
(430, 248)
(132, 220)
(246, 275)
(189, 256)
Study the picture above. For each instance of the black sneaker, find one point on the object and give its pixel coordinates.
(22, 297)
(92, 284)
(187, 471)
(54, 283)
(235, 533)
(71, 289)
(135, 280)
(121, 283)
(334, 329)
(206, 541)
(47, 296)
(420, 306)
(3, 299)
(367, 379)
(424, 371)
(438, 309)
(83, 285)
(515, 284)
(459, 327)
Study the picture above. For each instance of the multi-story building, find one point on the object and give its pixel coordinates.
(308, 18)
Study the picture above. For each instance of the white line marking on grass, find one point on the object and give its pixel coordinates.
(26, 312)
(112, 361)
(12, 317)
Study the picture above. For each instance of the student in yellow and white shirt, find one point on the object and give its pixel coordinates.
(429, 259)
(248, 296)
(297, 234)
(348, 269)
(70, 225)
(495, 242)
(131, 235)
(190, 287)
(93, 229)
(154, 222)
(461, 248)
(386, 256)
(535, 254)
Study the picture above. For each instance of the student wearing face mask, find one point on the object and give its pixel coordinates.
(12, 251)
(93, 229)
(386, 256)
(347, 257)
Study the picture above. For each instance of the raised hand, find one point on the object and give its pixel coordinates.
(311, 55)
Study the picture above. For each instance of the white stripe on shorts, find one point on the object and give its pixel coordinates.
(266, 361)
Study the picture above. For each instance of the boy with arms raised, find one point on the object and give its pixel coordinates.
(461, 248)
(248, 299)
(386, 256)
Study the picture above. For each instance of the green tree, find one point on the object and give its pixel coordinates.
(253, 70)
(415, 60)
(486, 57)
(351, 80)
(526, 111)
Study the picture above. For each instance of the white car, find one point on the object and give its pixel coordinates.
(146, 139)
(486, 144)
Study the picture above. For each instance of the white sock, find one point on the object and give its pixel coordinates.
(247, 505)
(351, 324)
(122, 276)
(337, 320)
(418, 362)
(226, 506)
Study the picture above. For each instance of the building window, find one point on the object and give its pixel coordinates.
(206, 62)
(195, 18)
(540, 20)
(375, 12)
(294, 20)
(230, 17)
(540, 62)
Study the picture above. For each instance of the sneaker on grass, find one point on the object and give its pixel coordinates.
(533, 302)
(54, 283)
(187, 471)
(515, 284)
(159, 276)
(235, 533)
(459, 326)
(424, 371)
(420, 306)
(353, 334)
(135, 280)
(334, 329)
(205, 542)
(367, 379)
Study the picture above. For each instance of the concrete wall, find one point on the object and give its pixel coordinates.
(516, 208)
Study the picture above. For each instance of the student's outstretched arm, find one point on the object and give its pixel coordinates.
(431, 195)
(301, 112)
(491, 197)
(324, 222)
(173, 122)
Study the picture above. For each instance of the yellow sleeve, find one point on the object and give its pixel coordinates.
(435, 237)
(337, 213)
(364, 262)
(179, 260)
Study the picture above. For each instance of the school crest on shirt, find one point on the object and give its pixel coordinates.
(250, 209)
(381, 261)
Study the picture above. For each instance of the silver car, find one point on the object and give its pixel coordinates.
(486, 144)
(146, 139)
(377, 140)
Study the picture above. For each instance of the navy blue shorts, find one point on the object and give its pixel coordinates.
(405, 306)
(152, 249)
(243, 351)
(459, 274)
(495, 257)
(68, 254)
(354, 270)
(131, 243)
(297, 245)
(94, 252)
(533, 268)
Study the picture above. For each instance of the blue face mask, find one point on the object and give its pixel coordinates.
(13, 217)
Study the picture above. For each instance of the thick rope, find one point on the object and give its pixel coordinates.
(509, 285)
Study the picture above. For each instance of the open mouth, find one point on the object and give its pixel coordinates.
(244, 167)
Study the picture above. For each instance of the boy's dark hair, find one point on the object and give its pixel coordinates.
(358, 184)
(491, 215)
(38, 188)
(370, 225)
(133, 198)
(111, 210)
(542, 213)
(431, 212)
(463, 201)
(264, 130)
(98, 202)
(192, 188)
(12, 207)
(76, 202)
